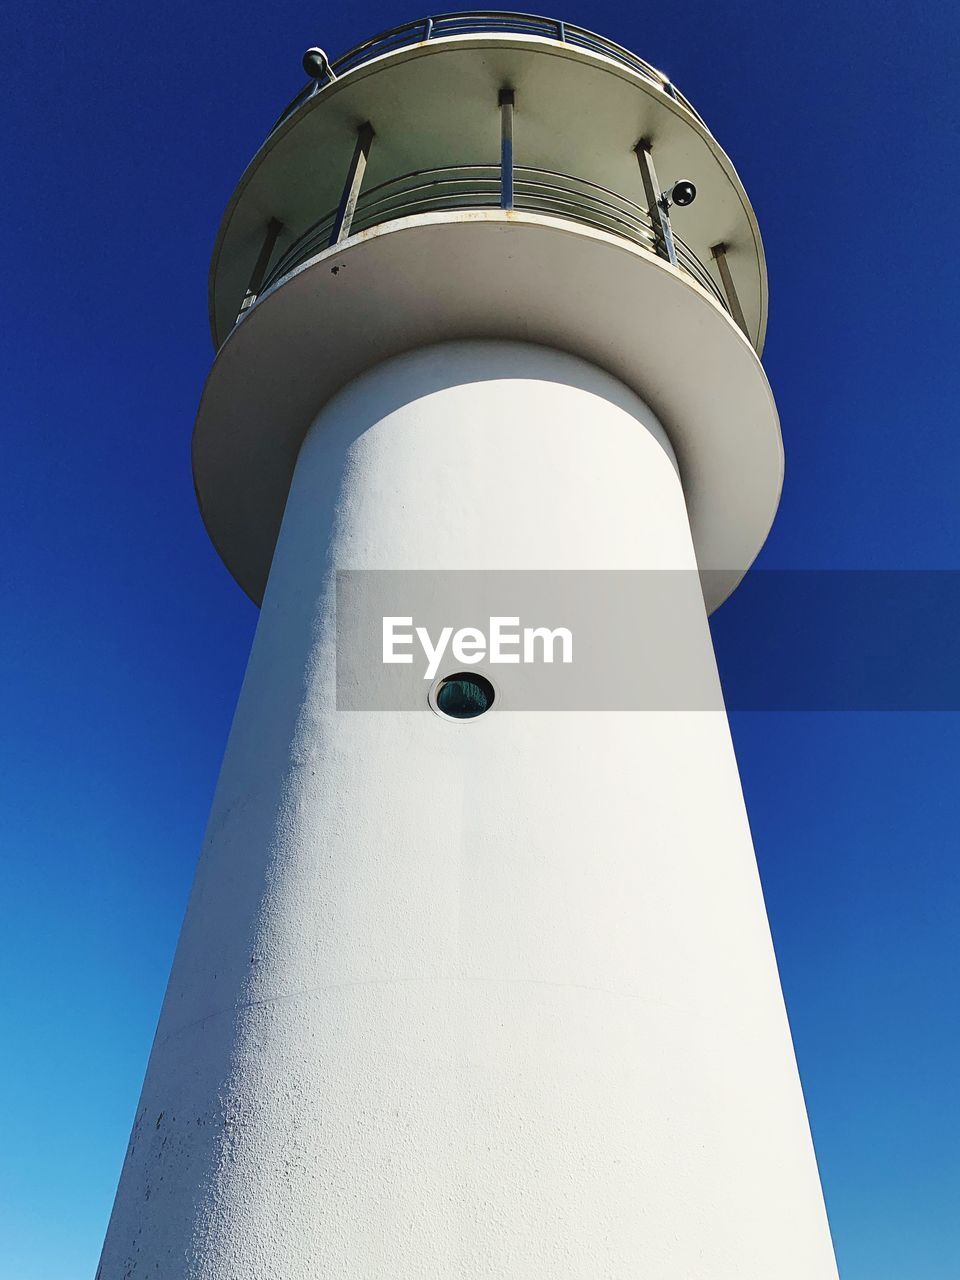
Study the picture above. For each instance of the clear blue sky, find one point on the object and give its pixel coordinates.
(124, 640)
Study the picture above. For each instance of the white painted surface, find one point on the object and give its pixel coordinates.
(492, 999)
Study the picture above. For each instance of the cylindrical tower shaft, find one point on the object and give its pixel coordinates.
(477, 999)
(492, 997)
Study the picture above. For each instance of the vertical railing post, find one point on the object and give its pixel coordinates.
(351, 188)
(719, 252)
(656, 205)
(507, 102)
(274, 227)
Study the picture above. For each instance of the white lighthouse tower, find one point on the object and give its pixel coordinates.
(493, 994)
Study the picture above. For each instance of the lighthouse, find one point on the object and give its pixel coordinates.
(472, 985)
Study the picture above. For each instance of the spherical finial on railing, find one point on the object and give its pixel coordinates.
(316, 63)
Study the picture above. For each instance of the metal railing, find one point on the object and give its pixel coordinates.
(487, 22)
(478, 186)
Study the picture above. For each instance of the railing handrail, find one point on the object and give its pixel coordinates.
(477, 186)
(476, 22)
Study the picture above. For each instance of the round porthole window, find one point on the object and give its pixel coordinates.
(463, 696)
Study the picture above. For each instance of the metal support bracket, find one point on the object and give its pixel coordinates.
(507, 101)
(719, 252)
(351, 188)
(659, 216)
(274, 227)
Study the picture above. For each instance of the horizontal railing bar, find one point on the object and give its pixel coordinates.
(477, 186)
(484, 200)
(608, 197)
(626, 207)
(493, 171)
(545, 195)
(496, 21)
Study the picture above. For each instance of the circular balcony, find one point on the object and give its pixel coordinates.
(490, 176)
(485, 22)
(479, 187)
(428, 93)
(413, 279)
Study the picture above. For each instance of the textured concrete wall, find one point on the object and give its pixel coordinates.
(484, 999)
